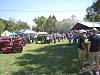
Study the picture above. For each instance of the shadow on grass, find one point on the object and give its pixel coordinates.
(59, 59)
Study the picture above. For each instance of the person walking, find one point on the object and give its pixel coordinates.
(94, 50)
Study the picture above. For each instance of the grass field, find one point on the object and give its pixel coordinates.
(41, 59)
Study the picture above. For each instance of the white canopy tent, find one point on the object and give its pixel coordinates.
(6, 33)
(29, 32)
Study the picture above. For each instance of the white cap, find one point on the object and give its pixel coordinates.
(82, 31)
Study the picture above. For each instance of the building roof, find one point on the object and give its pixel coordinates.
(90, 24)
(85, 25)
(97, 23)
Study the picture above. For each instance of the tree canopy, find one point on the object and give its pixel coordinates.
(12, 25)
(51, 25)
(45, 24)
(2, 26)
(93, 12)
(65, 25)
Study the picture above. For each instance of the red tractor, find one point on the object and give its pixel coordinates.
(10, 45)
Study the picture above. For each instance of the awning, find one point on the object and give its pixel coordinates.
(6, 33)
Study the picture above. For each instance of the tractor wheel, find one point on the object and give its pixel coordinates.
(24, 42)
(17, 49)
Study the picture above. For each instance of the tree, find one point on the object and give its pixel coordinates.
(12, 19)
(94, 8)
(41, 22)
(51, 24)
(2, 25)
(34, 28)
(21, 25)
(10, 26)
(65, 25)
(45, 24)
(73, 17)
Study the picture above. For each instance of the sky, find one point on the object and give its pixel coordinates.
(27, 10)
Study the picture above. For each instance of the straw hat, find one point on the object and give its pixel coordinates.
(94, 29)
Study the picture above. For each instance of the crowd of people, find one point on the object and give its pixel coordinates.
(54, 37)
(72, 37)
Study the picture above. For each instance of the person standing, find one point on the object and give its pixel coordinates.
(94, 50)
(75, 37)
(81, 49)
(54, 38)
(70, 38)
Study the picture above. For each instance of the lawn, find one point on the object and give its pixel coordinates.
(41, 59)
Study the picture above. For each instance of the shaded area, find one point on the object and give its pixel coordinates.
(59, 59)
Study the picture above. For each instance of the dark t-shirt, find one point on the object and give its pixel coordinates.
(95, 42)
(81, 39)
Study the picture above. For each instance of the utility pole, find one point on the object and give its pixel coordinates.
(93, 16)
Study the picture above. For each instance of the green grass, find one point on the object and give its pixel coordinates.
(41, 59)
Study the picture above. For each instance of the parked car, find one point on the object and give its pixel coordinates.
(10, 45)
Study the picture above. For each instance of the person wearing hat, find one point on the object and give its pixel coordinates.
(81, 48)
(94, 49)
